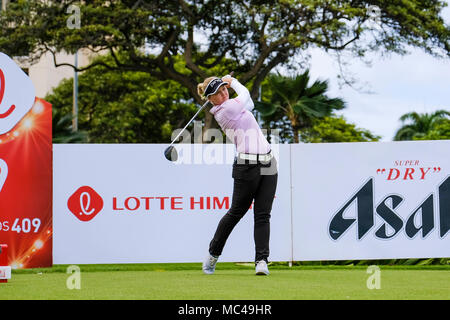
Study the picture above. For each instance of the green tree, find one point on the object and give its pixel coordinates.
(418, 125)
(124, 107)
(299, 102)
(440, 131)
(257, 34)
(336, 129)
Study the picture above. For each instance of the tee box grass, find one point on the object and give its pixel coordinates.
(230, 282)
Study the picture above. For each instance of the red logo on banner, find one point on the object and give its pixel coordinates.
(85, 203)
(2, 92)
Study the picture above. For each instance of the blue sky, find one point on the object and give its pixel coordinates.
(399, 84)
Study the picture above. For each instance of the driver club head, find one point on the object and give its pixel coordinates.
(171, 154)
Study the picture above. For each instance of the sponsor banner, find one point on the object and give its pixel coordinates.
(128, 204)
(25, 170)
(26, 189)
(371, 200)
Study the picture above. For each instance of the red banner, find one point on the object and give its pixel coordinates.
(26, 189)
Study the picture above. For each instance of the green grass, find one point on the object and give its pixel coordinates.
(231, 281)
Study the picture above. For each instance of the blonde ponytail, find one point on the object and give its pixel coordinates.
(201, 87)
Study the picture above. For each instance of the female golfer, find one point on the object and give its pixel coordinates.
(254, 169)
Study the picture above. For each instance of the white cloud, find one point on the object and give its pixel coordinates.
(401, 84)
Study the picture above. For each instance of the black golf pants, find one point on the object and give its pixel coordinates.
(252, 181)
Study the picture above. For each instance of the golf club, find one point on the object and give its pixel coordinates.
(171, 153)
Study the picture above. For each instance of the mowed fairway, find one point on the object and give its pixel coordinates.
(186, 282)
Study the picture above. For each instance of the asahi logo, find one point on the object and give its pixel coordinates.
(392, 221)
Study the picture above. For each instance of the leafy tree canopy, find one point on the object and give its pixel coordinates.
(298, 101)
(62, 129)
(336, 129)
(257, 35)
(440, 131)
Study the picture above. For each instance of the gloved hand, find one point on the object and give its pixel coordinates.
(228, 78)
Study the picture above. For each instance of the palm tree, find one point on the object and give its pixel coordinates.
(301, 104)
(62, 129)
(420, 124)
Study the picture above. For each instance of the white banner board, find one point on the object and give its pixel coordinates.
(127, 204)
(340, 201)
(371, 200)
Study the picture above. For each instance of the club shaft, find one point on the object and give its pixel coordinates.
(182, 130)
(195, 115)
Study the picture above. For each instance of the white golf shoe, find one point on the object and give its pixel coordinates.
(261, 268)
(209, 265)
